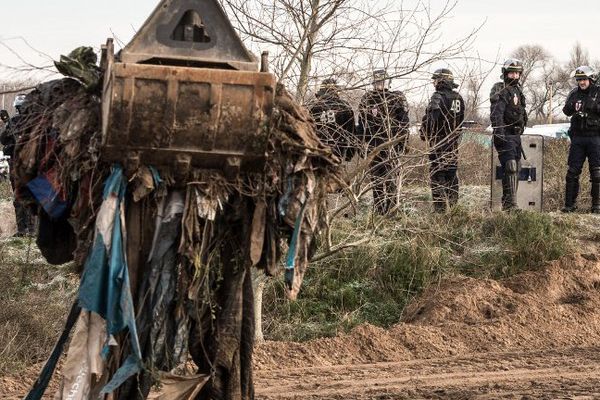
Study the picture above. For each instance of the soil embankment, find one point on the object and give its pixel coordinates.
(536, 334)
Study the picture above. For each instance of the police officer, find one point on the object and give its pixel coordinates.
(583, 106)
(334, 119)
(509, 118)
(383, 118)
(8, 139)
(441, 129)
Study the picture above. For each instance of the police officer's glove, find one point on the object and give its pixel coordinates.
(4, 116)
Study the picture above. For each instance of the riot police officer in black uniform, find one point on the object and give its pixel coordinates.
(441, 129)
(383, 118)
(583, 106)
(509, 118)
(334, 119)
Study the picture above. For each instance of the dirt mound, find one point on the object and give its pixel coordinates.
(556, 307)
(8, 224)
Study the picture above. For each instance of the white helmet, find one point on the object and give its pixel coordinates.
(584, 72)
(19, 100)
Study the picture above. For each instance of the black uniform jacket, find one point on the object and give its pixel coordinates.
(8, 137)
(507, 109)
(442, 120)
(383, 116)
(334, 120)
(583, 106)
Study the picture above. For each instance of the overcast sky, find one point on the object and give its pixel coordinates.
(56, 27)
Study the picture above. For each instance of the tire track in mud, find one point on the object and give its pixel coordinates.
(555, 374)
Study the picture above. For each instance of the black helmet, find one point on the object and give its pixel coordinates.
(442, 74)
(512, 65)
(380, 75)
(328, 87)
(329, 83)
(584, 72)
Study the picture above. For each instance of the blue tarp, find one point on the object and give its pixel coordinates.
(47, 197)
(105, 287)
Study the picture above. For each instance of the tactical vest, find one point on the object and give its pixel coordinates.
(514, 118)
(586, 119)
(515, 110)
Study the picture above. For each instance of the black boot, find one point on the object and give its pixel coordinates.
(438, 192)
(571, 191)
(452, 188)
(595, 198)
(510, 186)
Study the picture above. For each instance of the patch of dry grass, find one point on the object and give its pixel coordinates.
(34, 301)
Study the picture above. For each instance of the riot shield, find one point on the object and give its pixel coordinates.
(530, 195)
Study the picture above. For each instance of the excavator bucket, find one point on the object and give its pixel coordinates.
(186, 93)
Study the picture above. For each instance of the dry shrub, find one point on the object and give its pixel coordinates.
(555, 167)
(474, 160)
(34, 301)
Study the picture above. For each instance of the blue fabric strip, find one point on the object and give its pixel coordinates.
(105, 287)
(290, 264)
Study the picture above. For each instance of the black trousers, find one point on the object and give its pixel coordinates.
(444, 181)
(384, 173)
(508, 148)
(582, 148)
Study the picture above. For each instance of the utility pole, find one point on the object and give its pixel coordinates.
(551, 96)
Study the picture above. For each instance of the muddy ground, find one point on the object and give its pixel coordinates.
(535, 336)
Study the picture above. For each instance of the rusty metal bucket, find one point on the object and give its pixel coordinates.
(189, 114)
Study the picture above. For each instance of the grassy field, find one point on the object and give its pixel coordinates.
(374, 282)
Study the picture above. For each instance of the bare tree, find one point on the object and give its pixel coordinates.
(535, 78)
(579, 56)
(549, 82)
(534, 58)
(312, 39)
(475, 76)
